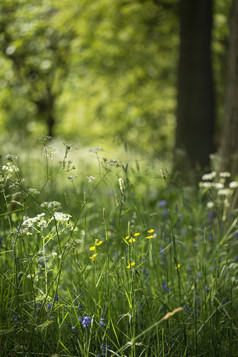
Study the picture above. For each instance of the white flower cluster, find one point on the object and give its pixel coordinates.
(33, 191)
(219, 189)
(53, 205)
(96, 149)
(91, 178)
(10, 167)
(61, 217)
(49, 152)
(39, 220)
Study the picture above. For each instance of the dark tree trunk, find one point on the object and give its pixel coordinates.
(229, 149)
(46, 110)
(195, 108)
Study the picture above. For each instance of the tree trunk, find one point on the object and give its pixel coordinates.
(229, 147)
(195, 107)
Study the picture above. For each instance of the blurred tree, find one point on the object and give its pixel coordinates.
(38, 47)
(195, 108)
(229, 148)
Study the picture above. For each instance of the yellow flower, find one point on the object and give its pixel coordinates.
(151, 231)
(149, 237)
(93, 257)
(177, 266)
(130, 265)
(92, 248)
(127, 237)
(99, 243)
(170, 314)
(131, 240)
(136, 234)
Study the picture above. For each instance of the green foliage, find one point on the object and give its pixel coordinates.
(116, 260)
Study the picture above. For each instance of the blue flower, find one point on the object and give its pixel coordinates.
(86, 321)
(162, 203)
(102, 323)
(56, 297)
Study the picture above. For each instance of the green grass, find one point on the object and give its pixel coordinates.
(107, 270)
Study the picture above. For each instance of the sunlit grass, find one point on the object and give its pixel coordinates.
(114, 260)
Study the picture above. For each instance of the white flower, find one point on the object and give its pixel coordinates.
(218, 186)
(95, 149)
(223, 192)
(33, 191)
(209, 176)
(122, 185)
(51, 205)
(205, 184)
(10, 167)
(91, 178)
(62, 217)
(233, 184)
(210, 204)
(225, 174)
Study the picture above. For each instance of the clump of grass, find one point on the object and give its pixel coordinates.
(110, 264)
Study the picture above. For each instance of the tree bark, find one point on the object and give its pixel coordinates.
(195, 104)
(229, 147)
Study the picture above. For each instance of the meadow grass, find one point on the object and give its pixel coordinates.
(117, 261)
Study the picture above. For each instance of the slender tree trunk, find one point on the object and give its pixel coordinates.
(195, 108)
(229, 148)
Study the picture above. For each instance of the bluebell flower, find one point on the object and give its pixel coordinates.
(16, 319)
(162, 203)
(102, 323)
(80, 319)
(56, 297)
(49, 305)
(86, 321)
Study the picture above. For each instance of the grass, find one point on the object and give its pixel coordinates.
(93, 266)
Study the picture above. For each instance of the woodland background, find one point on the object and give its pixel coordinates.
(157, 76)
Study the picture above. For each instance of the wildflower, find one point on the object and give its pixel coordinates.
(136, 234)
(91, 178)
(49, 152)
(102, 323)
(132, 240)
(130, 265)
(92, 248)
(93, 257)
(210, 204)
(177, 266)
(72, 177)
(10, 157)
(127, 237)
(99, 243)
(56, 297)
(170, 314)
(86, 321)
(122, 185)
(33, 191)
(151, 231)
(209, 176)
(162, 203)
(225, 174)
(149, 237)
(218, 186)
(223, 192)
(51, 205)
(10, 167)
(233, 184)
(62, 217)
(96, 149)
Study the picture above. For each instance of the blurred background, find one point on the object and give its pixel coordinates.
(148, 75)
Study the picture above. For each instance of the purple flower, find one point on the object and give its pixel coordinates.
(102, 323)
(86, 321)
(162, 203)
(56, 297)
